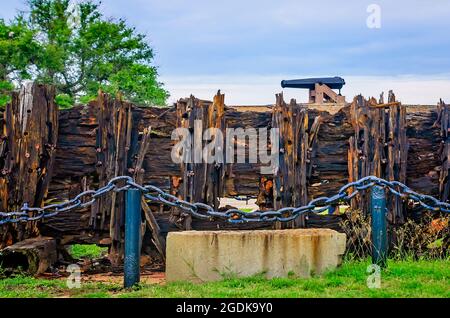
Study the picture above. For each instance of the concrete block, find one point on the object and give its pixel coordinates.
(200, 256)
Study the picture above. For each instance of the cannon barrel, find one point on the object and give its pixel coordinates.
(309, 83)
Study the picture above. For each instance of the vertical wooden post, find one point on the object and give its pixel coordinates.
(117, 141)
(201, 181)
(290, 179)
(379, 147)
(215, 172)
(28, 146)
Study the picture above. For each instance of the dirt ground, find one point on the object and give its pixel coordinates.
(249, 204)
(147, 277)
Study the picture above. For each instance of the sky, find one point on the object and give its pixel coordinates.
(246, 47)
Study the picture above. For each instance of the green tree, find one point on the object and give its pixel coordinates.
(18, 50)
(80, 51)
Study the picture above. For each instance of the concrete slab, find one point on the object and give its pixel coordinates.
(200, 256)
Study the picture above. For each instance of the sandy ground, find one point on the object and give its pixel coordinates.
(330, 108)
(250, 204)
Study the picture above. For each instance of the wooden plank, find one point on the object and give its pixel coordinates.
(215, 172)
(138, 170)
(157, 238)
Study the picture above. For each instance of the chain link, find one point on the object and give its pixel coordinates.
(82, 200)
(235, 216)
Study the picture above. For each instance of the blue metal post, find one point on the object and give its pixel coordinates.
(132, 237)
(379, 226)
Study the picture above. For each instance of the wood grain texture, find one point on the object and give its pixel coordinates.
(323, 151)
(28, 155)
(379, 147)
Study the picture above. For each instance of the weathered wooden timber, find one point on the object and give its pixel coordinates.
(27, 155)
(379, 147)
(33, 256)
(443, 122)
(244, 178)
(202, 181)
(330, 164)
(291, 178)
(424, 164)
(85, 159)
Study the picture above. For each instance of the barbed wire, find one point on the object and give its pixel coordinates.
(207, 212)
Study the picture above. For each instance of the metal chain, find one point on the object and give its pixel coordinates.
(206, 212)
(82, 200)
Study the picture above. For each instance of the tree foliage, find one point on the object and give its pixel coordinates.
(77, 49)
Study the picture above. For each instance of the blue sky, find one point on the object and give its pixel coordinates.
(247, 47)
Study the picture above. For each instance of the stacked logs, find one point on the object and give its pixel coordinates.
(444, 151)
(244, 178)
(329, 163)
(74, 171)
(424, 139)
(104, 136)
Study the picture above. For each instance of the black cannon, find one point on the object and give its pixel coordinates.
(320, 89)
(310, 83)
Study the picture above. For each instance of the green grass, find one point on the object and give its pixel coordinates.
(87, 251)
(401, 279)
